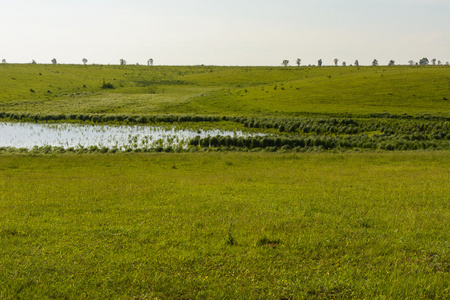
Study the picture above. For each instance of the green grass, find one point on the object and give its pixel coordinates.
(231, 91)
(140, 226)
(370, 225)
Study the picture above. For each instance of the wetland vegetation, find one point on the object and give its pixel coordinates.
(104, 138)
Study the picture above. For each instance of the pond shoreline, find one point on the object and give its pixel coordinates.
(119, 137)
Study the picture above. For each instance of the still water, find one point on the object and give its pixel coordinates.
(28, 135)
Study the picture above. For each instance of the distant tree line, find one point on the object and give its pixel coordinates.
(122, 61)
(422, 62)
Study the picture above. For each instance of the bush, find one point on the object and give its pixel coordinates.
(267, 241)
(108, 85)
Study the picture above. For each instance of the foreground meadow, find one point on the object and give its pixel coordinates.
(225, 225)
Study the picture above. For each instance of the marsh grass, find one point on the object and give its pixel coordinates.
(355, 225)
(101, 138)
(181, 133)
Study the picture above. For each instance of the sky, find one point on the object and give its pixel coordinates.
(224, 32)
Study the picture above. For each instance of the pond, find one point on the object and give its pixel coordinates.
(66, 135)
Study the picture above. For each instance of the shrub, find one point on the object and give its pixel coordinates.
(230, 240)
(108, 85)
(267, 241)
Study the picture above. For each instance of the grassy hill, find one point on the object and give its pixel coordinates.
(230, 91)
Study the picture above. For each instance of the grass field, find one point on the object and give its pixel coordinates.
(231, 91)
(329, 204)
(185, 226)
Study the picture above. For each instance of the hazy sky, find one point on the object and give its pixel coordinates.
(224, 32)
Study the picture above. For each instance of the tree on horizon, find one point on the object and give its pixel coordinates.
(424, 62)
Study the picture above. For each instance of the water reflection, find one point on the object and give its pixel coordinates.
(28, 135)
